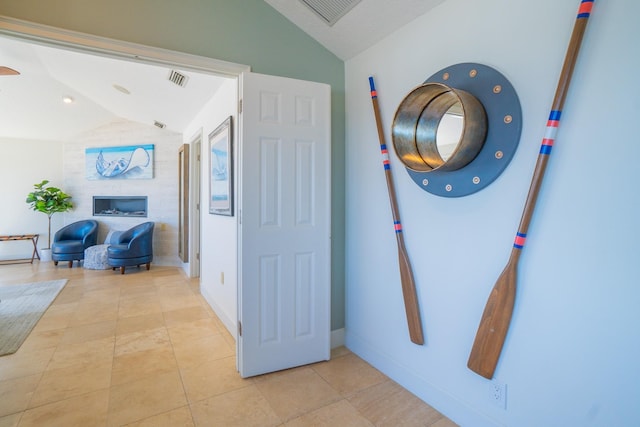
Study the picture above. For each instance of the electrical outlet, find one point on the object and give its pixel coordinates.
(498, 394)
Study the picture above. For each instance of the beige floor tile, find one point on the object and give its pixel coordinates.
(444, 422)
(56, 317)
(195, 330)
(147, 291)
(147, 341)
(336, 414)
(349, 373)
(88, 332)
(24, 363)
(103, 293)
(91, 312)
(296, 391)
(131, 324)
(138, 365)
(69, 294)
(60, 384)
(82, 354)
(197, 352)
(144, 398)
(15, 394)
(180, 417)
(212, 378)
(388, 404)
(171, 302)
(10, 420)
(86, 410)
(42, 339)
(246, 407)
(142, 341)
(139, 306)
(175, 317)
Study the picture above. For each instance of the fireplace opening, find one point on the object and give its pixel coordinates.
(135, 206)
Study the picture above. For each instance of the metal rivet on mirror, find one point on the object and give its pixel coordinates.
(508, 119)
(499, 154)
(473, 73)
(497, 89)
(448, 187)
(425, 182)
(445, 76)
(476, 180)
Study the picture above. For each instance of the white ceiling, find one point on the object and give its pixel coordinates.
(361, 27)
(31, 104)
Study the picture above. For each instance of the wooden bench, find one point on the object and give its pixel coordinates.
(34, 240)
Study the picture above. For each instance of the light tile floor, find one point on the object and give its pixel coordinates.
(145, 349)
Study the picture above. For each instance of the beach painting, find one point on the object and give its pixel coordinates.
(122, 162)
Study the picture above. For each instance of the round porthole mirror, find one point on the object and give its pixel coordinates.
(457, 131)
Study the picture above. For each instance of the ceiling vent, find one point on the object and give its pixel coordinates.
(159, 124)
(178, 78)
(330, 10)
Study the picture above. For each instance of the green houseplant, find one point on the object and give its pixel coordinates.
(48, 200)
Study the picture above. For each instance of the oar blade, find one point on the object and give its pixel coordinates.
(494, 323)
(410, 298)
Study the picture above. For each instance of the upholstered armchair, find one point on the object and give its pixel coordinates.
(133, 247)
(71, 240)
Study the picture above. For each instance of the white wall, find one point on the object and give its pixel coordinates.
(162, 190)
(218, 251)
(24, 164)
(571, 356)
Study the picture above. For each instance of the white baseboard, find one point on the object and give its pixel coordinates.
(337, 338)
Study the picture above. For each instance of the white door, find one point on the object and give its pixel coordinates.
(284, 208)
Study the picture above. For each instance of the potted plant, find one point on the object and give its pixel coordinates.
(48, 200)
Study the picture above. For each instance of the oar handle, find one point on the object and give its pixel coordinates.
(406, 274)
(584, 12)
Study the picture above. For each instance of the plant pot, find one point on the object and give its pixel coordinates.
(45, 255)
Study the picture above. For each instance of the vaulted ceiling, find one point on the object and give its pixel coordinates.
(102, 89)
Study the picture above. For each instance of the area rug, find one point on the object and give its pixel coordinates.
(21, 306)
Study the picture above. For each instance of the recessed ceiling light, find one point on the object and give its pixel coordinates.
(121, 89)
(67, 100)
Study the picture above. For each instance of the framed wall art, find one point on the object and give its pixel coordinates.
(124, 162)
(221, 169)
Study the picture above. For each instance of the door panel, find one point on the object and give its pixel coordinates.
(284, 235)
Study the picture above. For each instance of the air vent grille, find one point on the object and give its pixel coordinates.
(330, 10)
(178, 78)
(159, 124)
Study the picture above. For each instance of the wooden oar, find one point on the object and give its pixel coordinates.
(497, 313)
(406, 275)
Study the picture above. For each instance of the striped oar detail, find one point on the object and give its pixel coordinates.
(385, 157)
(519, 241)
(397, 226)
(550, 134)
(585, 8)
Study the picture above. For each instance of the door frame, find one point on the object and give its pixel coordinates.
(122, 50)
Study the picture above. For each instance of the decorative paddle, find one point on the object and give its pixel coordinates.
(406, 275)
(497, 313)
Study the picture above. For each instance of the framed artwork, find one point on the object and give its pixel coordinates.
(124, 162)
(183, 203)
(221, 170)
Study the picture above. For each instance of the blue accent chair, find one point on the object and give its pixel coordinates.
(133, 247)
(71, 240)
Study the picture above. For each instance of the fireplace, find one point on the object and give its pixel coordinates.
(133, 206)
